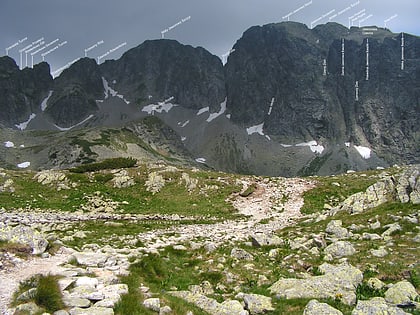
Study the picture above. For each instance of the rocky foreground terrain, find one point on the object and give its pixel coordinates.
(160, 239)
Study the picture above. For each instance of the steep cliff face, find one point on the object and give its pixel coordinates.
(161, 69)
(284, 104)
(276, 76)
(21, 92)
(75, 93)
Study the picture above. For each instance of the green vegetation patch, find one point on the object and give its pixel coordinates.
(107, 164)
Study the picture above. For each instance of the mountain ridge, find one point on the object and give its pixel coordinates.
(280, 91)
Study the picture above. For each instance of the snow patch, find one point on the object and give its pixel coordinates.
(110, 91)
(45, 101)
(347, 144)
(158, 108)
(228, 116)
(221, 112)
(24, 165)
(286, 145)
(313, 145)
(22, 126)
(22, 146)
(182, 125)
(69, 128)
(271, 106)
(200, 160)
(203, 110)
(183, 138)
(363, 151)
(268, 137)
(9, 144)
(256, 129)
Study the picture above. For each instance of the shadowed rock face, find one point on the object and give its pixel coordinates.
(285, 62)
(283, 78)
(21, 92)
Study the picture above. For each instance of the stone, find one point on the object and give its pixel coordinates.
(165, 310)
(255, 303)
(28, 308)
(316, 308)
(87, 281)
(338, 281)
(376, 305)
(152, 304)
(76, 302)
(90, 259)
(334, 228)
(402, 292)
(210, 305)
(241, 254)
(27, 295)
(205, 288)
(91, 311)
(391, 229)
(262, 239)
(371, 237)
(24, 235)
(375, 284)
(339, 249)
(381, 252)
(61, 312)
(109, 302)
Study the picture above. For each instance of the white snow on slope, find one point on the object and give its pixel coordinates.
(363, 151)
(22, 126)
(182, 125)
(347, 144)
(24, 165)
(158, 108)
(271, 106)
(256, 129)
(9, 144)
(110, 91)
(203, 110)
(286, 145)
(45, 101)
(313, 145)
(78, 124)
(221, 112)
(201, 160)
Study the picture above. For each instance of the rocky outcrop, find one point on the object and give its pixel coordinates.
(377, 305)
(316, 308)
(22, 234)
(338, 282)
(403, 187)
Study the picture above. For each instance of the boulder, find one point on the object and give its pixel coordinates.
(76, 302)
(24, 235)
(391, 229)
(339, 249)
(335, 230)
(402, 292)
(381, 252)
(255, 303)
(376, 305)
(152, 304)
(230, 307)
(338, 281)
(91, 311)
(90, 259)
(263, 239)
(28, 308)
(316, 308)
(241, 254)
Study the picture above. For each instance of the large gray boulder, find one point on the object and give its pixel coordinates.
(24, 235)
(229, 307)
(338, 281)
(316, 308)
(255, 303)
(376, 305)
(336, 230)
(402, 292)
(339, 249)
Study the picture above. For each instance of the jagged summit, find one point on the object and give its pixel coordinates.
(289, 99)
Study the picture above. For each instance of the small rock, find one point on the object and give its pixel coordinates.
(339, 249)
(381, 252)
(375, 284)
(376, 305)
(256, 304)
(152, 304)
(241, 254)
(316, 308)
(165, 310)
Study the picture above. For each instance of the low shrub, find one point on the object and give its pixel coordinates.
(105, 164)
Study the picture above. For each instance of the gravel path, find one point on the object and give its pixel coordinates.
(264, 203)
(10, 279)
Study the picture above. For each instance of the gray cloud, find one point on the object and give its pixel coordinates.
(214, 24)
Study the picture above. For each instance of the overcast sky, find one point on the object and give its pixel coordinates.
(212, 24)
